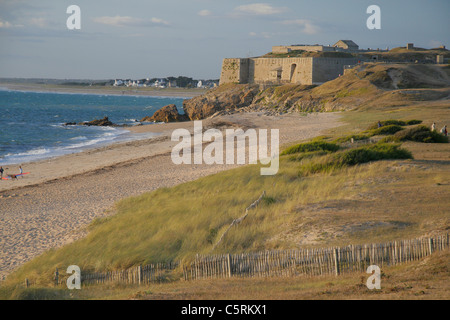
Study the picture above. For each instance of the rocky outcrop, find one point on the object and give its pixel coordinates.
(167, 113)
(365, 86)
(102, 122)
(224, 98)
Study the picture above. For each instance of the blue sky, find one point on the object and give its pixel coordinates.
(140, 39)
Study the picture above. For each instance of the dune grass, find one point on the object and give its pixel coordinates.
(356, 156)
(317, 145)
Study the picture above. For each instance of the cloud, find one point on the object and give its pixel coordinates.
(306, 26)
(204, 13)
(39, 22)
(125, 21)
(258, 9)
(252, 34)
(5, 24)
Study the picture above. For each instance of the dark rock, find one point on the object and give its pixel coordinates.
(102, 122)
(70, 124)
(167, 113)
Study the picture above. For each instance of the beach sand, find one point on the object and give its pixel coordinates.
(105, 90)
(54, 204)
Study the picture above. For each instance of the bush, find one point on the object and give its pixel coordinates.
(421, 134)
(395, 122)
(359, 155)
(356, 137)
(386, 130)
(413, 122)
(317, 145)
(307, 155)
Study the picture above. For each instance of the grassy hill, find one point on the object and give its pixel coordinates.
(370, 86)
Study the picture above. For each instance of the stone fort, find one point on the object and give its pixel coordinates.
(286, 69)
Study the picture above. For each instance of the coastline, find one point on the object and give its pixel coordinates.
(102, 90)
(54, 204)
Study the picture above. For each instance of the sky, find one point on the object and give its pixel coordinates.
(147, 39)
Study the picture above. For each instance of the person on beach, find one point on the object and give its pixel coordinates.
(20, 169)
(444, 130)
(433, 126)
(1, 173)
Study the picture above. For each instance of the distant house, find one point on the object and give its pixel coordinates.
(347, 45)
(118, 83)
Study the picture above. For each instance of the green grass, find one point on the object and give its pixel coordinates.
(365, 135)
(385, 130)
(356, 156)
(395, 122)
(317, 145)
(420, 134)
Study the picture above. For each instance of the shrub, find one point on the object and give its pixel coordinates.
(421, 134)
(395, 122)
(359, 155)
(356, 137)
(389, 139)
(307, 155)
(413, 122)
(386, 130)
(317, 145)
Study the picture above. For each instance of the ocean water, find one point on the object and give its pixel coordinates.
(32, 123)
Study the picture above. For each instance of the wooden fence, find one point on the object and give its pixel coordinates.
(153, 273)
(313, 262)
(306, 262)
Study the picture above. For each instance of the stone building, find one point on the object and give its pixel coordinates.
(299, 70)
(347, 45)
(286, 69)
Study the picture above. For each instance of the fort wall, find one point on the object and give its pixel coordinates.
(299, 70)
(326, 69)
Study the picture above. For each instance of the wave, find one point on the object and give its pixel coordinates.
(75, 145)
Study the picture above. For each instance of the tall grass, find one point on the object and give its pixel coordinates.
(356, 156)
(317, 145)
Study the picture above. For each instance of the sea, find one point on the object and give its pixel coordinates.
(32, 124)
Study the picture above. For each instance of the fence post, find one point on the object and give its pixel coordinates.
(336, 261)
(27, 284)
(139, 274)
(431, 244)
(229, 265)
(56, 277)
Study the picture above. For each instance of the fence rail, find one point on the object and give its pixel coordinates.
(306, 262)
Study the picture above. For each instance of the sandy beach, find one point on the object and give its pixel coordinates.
(54, 204)
(101, 90)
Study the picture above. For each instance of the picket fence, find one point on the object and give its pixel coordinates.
(276, 263)
(314, 261)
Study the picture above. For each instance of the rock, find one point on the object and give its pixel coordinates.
(70, 124)
(167, 113)
(102, 122)
(224, 98)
